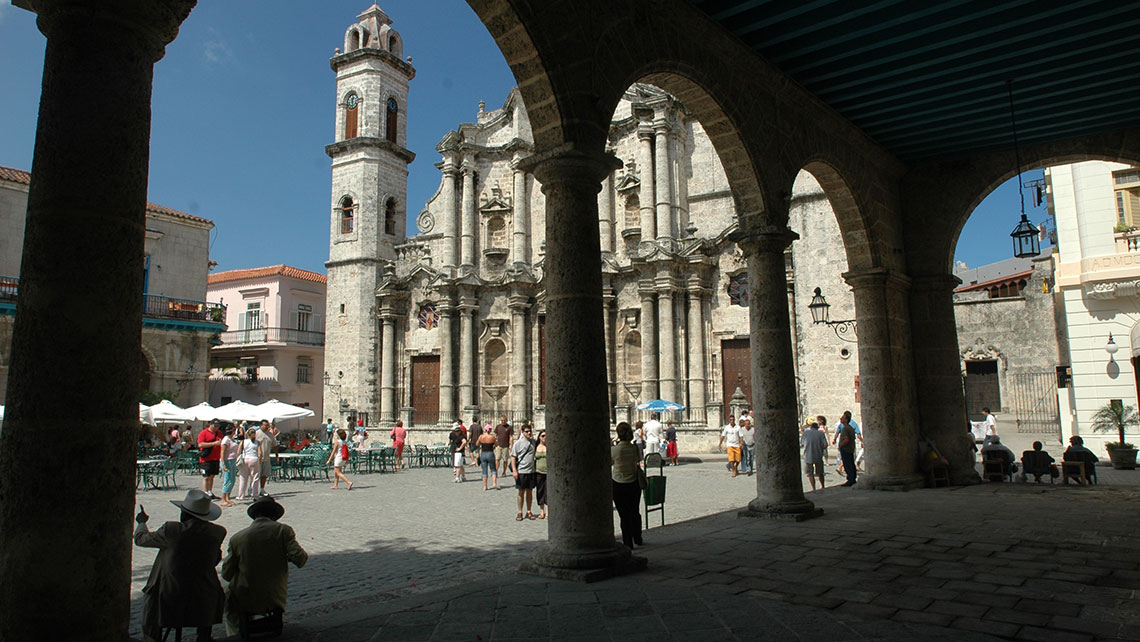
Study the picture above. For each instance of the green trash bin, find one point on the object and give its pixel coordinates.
(654, 495)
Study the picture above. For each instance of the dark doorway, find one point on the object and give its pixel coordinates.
(425, 389)
(736, 363)
(982, 388)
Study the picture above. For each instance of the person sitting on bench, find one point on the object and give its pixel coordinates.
(256, 565)
(997, 450)
(1077, 452)
(1037, 462)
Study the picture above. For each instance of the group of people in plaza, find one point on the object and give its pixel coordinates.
(241, 454)
(498, 449)
(653, 437)
(183, 590)
(1038, 462)
(738, 440)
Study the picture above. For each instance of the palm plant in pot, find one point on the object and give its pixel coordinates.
(1116, 416)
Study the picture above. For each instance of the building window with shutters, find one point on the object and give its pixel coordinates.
(393, 117)
(346, 215)
(351, 116)
(304, 372)
(304, 317)
(390, 217)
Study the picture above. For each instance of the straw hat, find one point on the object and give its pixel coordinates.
(198, 504)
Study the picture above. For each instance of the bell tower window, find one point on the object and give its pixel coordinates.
(346, 216)
(351, 104)
(393, 116)
(390, 217)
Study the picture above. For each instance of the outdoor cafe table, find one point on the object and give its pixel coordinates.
(142, 466)
(290, 464)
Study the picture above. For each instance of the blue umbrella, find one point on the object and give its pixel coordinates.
(660, 405)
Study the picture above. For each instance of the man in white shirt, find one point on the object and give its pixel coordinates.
(747, 442)
(653, 434)
(730, 439)
(990, 426)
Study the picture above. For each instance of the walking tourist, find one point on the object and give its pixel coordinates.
(503, 434)
(671, 443)
(639, 439)
(653, 434)
(399, 437)
(183, 588)
(329, 428)
(815, 445)
(845, 418)
(747, 445)
(473, 435)
(989, 426)
(540, 473)
(338, 456)
(249, 468)
(257, 564)
(230, 451)
(266, 446)
(210, 456)
(522, 469)
(730, 441)
(626, 490)
(822, 421)
(846, 444)
(486, 443)
(457, 442)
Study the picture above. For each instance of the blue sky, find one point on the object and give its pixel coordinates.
(243, 108)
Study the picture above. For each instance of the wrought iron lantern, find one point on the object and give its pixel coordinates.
(1026, 239)
(820, 313)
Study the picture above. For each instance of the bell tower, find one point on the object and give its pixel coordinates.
(368, 215)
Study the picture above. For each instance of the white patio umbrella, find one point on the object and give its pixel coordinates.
(166, 412)
(203, 412)
(238, 411)
(1, 412)
(142, 412)
(274, 410)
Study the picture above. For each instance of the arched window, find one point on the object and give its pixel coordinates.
(353, 41)
(390, 217)
(392, 44)
(346, 215)
(633, 356)
(393, 114)
(351, 104)
(632, 212)
(495, 366)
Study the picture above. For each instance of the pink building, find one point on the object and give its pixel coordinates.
(273, 346)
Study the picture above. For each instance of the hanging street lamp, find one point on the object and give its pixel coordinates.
(820, 313)
(1026, 236)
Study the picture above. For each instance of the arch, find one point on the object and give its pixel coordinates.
(347, 210)
(391, 121)
(495, 363)
(861, 253)
(395, 45)
(352, 40)
(390, 217)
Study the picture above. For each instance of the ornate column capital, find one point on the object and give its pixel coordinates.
(876, 278)
(646, 290)
(518, 302)
(468, 304)
(567, 166)
(935, 283)
(756, 239)
(156, 23)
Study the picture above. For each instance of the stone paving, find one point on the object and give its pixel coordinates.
(412, 556)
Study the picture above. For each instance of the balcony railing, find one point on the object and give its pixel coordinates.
(273, 335)
(8, 287)
(1127, 241)
(165, 307)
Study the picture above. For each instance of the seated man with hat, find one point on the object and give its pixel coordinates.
(256, 565)
(183, 588)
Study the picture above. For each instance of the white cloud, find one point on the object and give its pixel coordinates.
(215, 49)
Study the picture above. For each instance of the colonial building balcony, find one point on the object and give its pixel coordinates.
(276, 336)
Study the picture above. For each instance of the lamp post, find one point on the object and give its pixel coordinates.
(1111, 347)
(820, 313)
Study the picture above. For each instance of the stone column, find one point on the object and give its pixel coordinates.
(890, 422)
(446, 363)
(667, 349)
(68, 542)
(608, 300)
(520, 398)
(388, 368)
(696, 353)
(663, 181)
(645, 193)
(467, 308)
(606, 214)
(680, 188)
(467, 239)
(648, 342)
(779, 485)
(938, 377)
(520, 224)
(581, 526)
(447, 218)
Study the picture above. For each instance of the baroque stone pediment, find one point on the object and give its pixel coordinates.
(983, 351)
(627, 182)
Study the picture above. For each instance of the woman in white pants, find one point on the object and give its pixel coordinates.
(249, 469)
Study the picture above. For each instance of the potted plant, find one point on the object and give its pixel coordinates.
(1117, 416)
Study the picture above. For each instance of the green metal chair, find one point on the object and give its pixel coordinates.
(655, 497)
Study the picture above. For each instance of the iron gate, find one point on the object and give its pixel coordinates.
(1033, 402)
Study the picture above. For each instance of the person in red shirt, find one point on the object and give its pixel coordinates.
(210, 455)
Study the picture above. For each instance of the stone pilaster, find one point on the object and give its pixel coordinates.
(468, 306)
(697, 374)
(889, 418)
(680, 185)
(388, 365)
(938, 379)
(645, 193)
(666, 333)
(779, 485)
(520, 223)
(663, 182)
(447, 221)
(649, 388)
(68, 542)
(447, 411)
(581, 527)
(468, 222)
(520, 382)
(606, 214)
(609, 298)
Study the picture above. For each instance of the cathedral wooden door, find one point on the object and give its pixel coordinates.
(425, 389)
(736, 361)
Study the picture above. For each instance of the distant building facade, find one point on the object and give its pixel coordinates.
(178, 323)
(450, 322)
(1096, 206)
(273, 344)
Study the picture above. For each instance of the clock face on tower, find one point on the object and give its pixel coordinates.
(352, 101)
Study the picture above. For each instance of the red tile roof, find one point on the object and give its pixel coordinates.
(20, 176)
(993, 283)
(262, 272)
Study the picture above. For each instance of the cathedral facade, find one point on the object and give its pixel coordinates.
(449, 322)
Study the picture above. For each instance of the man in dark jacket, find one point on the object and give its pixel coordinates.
(257, 565)
(183, 588)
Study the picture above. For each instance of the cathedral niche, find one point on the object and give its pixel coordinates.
(738, 290)
(429, 316)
